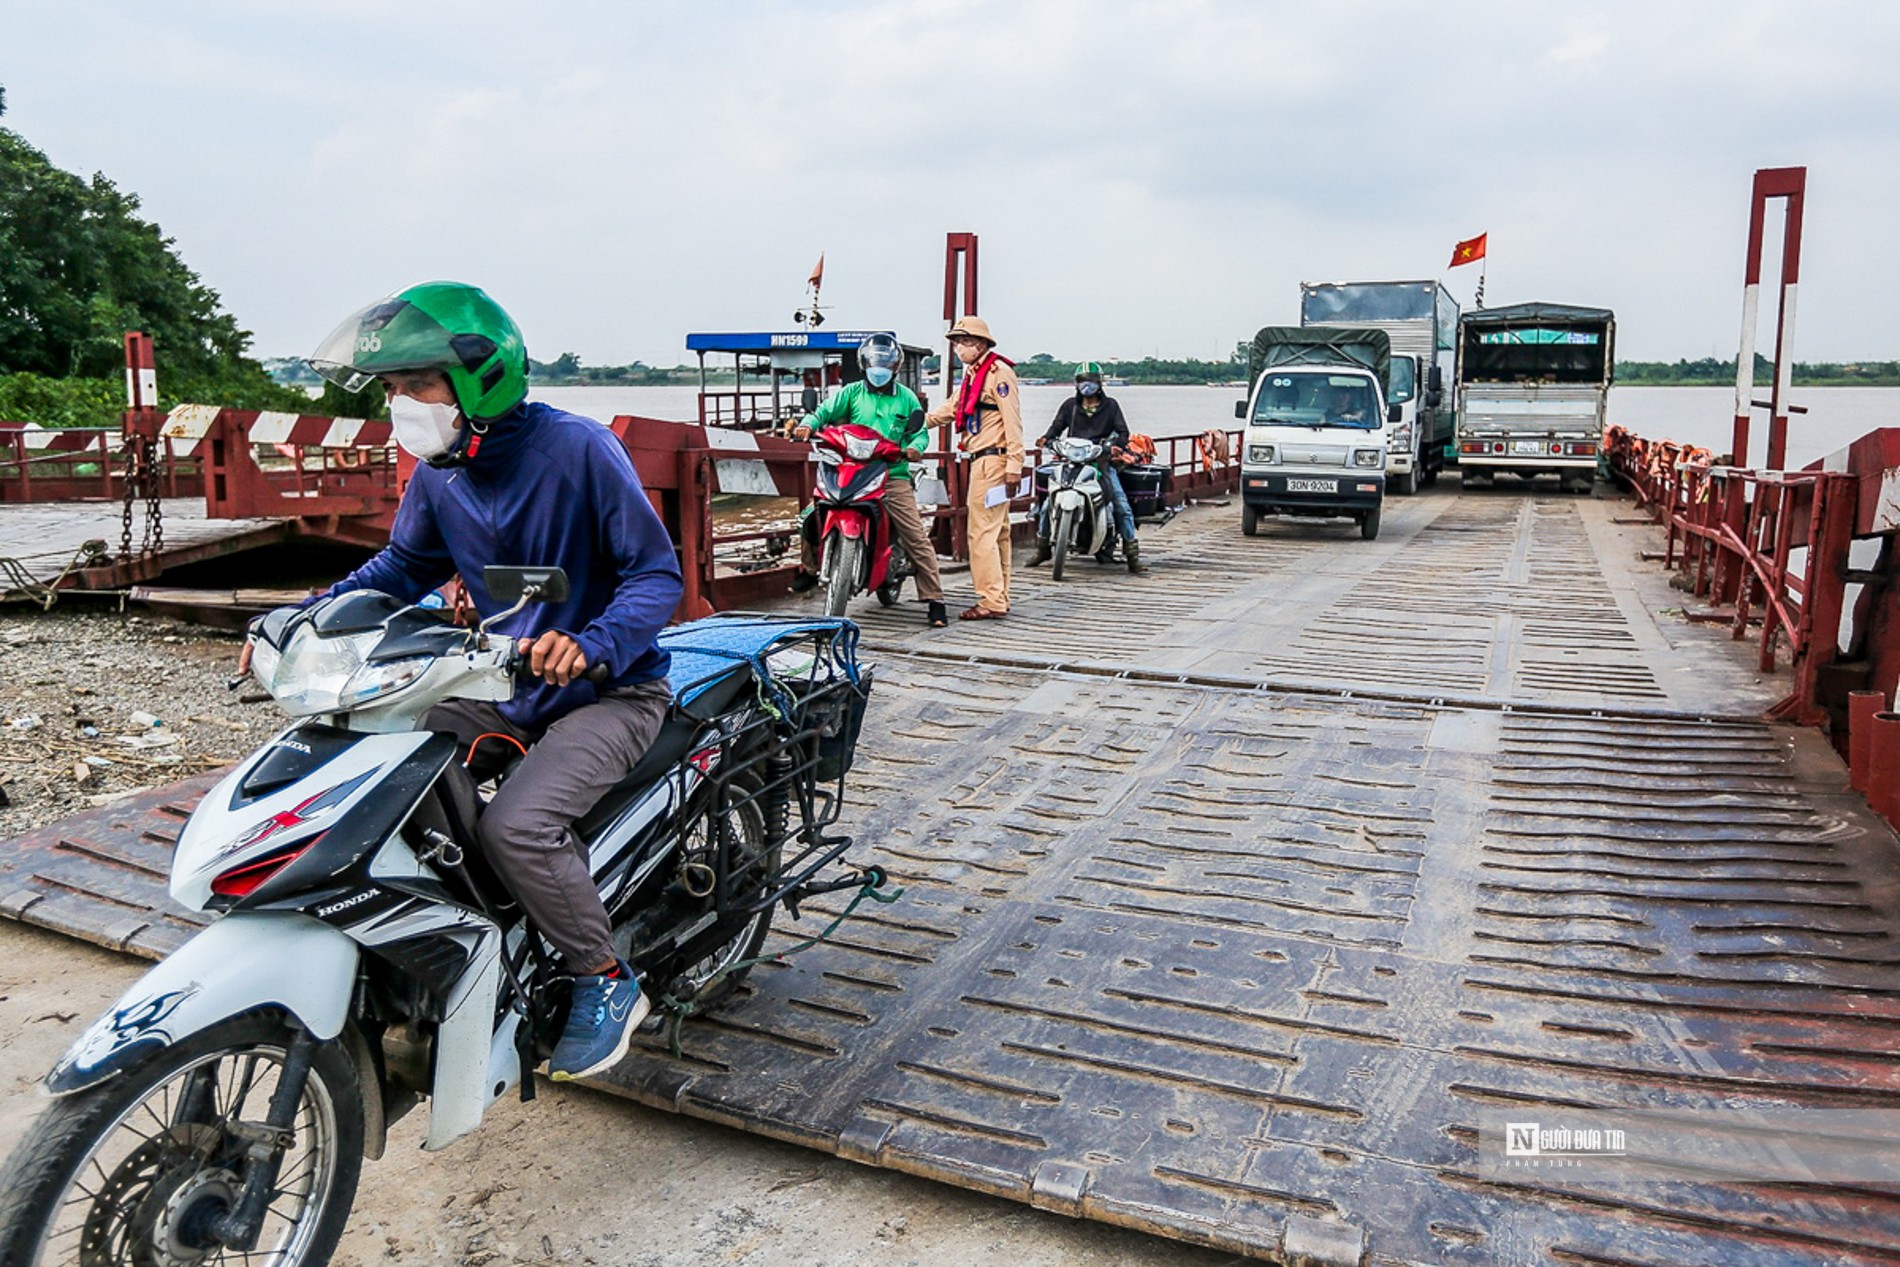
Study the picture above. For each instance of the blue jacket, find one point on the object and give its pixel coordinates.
(546, 489)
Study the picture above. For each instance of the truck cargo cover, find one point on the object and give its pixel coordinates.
(1277, 346)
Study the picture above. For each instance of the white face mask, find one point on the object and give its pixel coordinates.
(424, 430)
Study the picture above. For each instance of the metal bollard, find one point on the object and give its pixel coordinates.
(1883, 765)
(1861, 707)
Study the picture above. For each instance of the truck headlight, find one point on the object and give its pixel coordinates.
(1366, 457)
(1402, 439)
(1260, 453)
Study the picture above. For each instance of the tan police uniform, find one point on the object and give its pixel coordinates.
(995, 451)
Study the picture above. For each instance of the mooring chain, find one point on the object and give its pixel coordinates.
(131, 493)
(141, 479)
(154, 511)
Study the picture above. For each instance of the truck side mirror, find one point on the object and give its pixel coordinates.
(1395, 413)
(808, 399)
(1240, 409)
(1433, 398)
(1435, 379)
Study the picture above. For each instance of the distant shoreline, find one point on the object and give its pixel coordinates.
(693, 381)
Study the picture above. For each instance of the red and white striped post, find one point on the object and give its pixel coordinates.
(1770, 182)
(141, 372)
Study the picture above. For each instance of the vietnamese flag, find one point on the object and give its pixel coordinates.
(817, 274)
(1468, 251)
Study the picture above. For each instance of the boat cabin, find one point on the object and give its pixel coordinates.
(760, 380)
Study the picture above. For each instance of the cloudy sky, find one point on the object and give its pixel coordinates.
(1144, 177)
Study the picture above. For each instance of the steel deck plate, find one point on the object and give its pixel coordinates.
(1243, 964)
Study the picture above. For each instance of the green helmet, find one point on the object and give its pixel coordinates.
(447, 326)
(1090, 370)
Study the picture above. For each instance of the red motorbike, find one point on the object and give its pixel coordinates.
(857, 549)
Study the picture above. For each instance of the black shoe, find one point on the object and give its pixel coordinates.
(804, 582)
(937, 617)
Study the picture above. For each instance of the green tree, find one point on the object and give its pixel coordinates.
(79, 267)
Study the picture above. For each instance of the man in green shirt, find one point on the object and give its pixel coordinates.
(886, 406)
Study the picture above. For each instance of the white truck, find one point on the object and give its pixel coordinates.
(1318, 426)
(1533, 385)
(1421, 321)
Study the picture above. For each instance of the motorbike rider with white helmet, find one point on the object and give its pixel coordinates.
(508, 481)
(886, 406)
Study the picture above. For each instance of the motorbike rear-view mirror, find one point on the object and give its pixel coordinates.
(808, 399)
(508, 584)
(1240, 409)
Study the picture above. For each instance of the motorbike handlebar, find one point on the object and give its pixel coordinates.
(521, 666)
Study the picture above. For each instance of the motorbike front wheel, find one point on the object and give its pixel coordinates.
(1061, 529)
(843, 556)
(136, 1170)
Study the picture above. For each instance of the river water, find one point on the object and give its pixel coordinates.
(1697, 415)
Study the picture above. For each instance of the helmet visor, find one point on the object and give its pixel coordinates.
(880, 353)
(386, 336)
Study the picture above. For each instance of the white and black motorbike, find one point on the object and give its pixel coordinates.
(364, 957)
(1081, 517)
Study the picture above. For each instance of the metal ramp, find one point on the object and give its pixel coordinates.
(1232, 928)
(1242, 967)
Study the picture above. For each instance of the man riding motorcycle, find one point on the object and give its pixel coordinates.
(506, 481)
(1091, 414)
(886, 406)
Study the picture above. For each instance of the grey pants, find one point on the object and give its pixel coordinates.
(527, 831)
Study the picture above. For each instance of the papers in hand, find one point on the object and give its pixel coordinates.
(996, 496)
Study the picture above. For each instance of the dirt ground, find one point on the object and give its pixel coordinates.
(575, 1177)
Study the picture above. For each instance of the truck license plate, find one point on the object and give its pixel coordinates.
(1528, 446)
(1312, 486)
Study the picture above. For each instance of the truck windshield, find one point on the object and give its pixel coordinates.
(1315, 400)
(1404, 379)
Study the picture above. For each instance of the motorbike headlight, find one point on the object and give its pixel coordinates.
(1261, 453)
(1366, 457)
(385, 677)
(315, 674)
(264, 658)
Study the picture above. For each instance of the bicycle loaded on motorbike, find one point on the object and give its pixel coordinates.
(374, 940)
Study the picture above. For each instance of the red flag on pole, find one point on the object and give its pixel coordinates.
(1468, 251)
(818, 273)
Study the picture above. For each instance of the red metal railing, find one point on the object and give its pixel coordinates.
(679, 466)
(1767, 548)
(79, 464)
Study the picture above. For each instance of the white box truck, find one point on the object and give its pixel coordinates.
(1317, 425)
(1533, 385)
(1421, 321)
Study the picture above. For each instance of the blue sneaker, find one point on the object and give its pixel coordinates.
(600, 1024)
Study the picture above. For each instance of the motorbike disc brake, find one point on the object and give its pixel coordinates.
(134, 1213)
